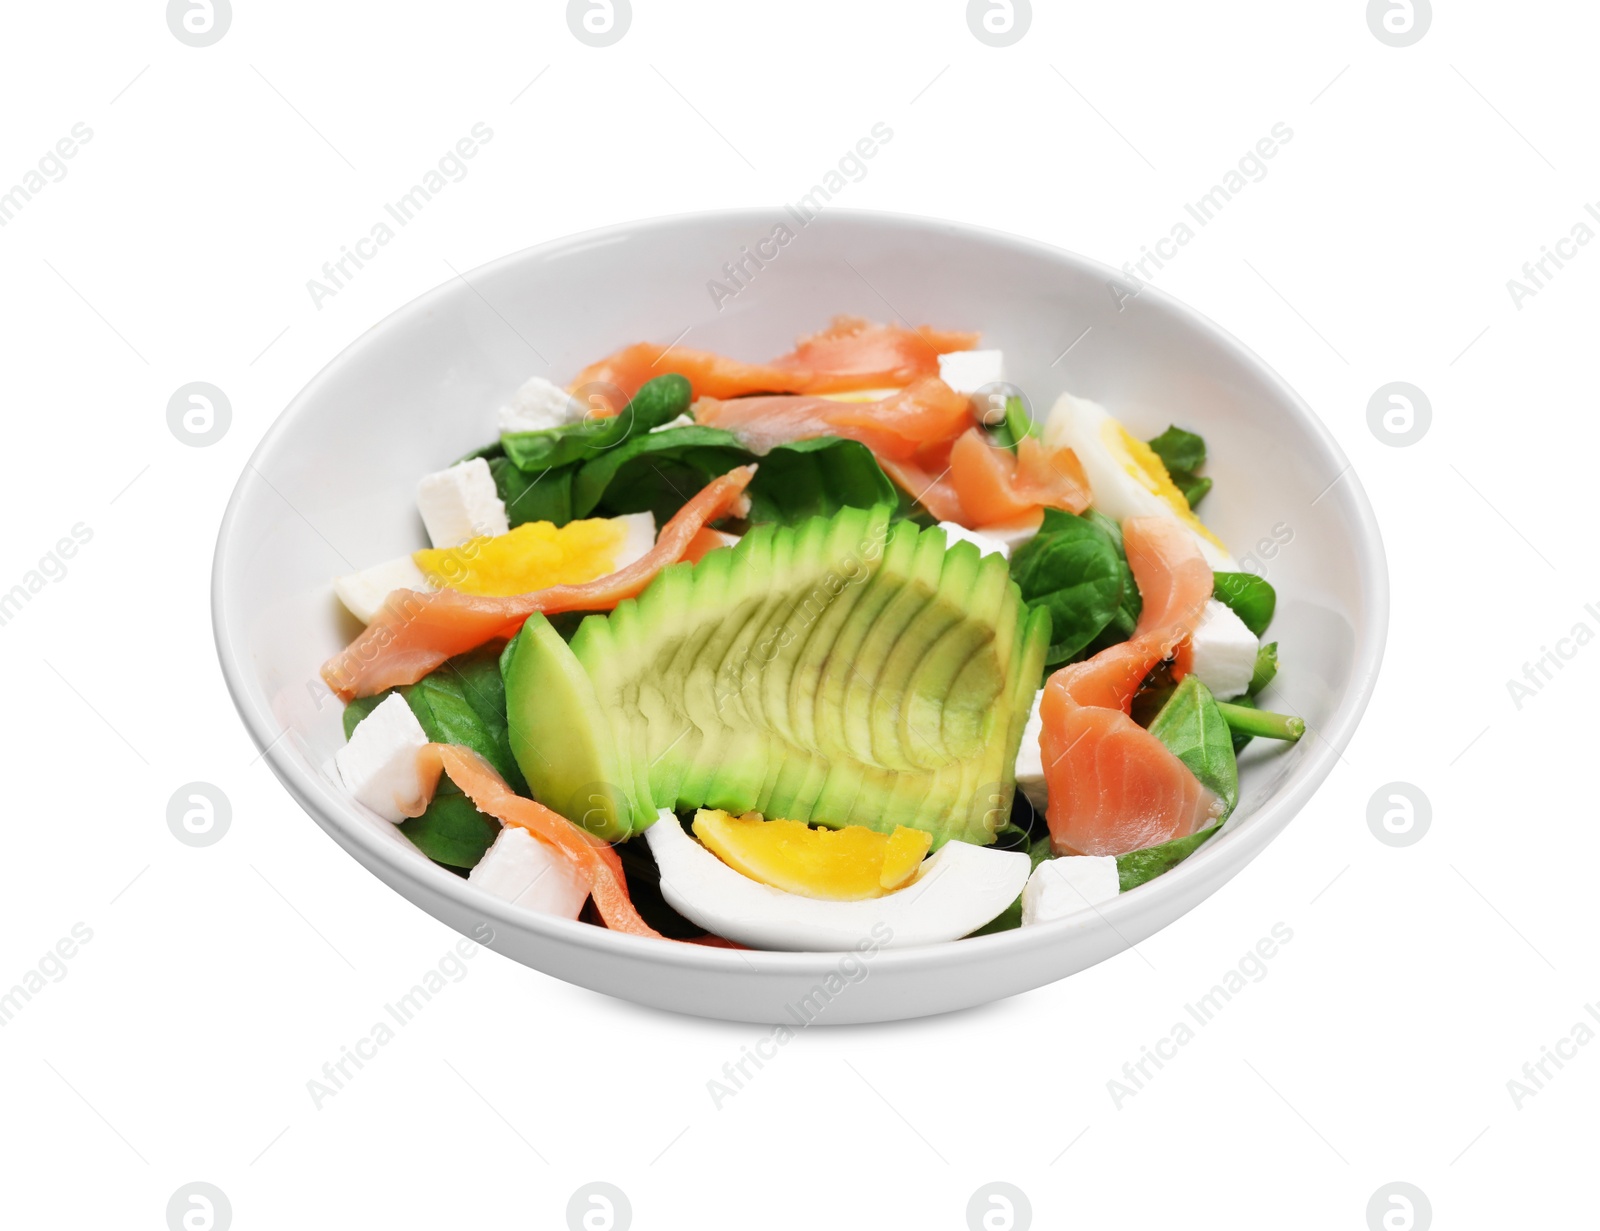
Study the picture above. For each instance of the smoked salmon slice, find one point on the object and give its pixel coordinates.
(709, 375)
(415, 631)
(853, 354)
(1114, 787)
(996, 486)
(707, 540)
(897, 426)
(593, 858)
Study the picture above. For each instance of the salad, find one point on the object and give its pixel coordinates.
(789, 655)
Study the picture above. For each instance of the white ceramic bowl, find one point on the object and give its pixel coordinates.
(332, 488)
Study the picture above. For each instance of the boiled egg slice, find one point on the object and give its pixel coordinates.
(951, 894)
(539, 554)
(840, 865)
(1125, 475)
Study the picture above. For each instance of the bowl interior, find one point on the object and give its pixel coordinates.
(331, 488)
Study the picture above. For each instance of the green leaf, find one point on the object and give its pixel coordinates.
(817, 478)
(452, 831)
(661, 471)
(1193, 729)
(1180, 450)
(1072, 570)
(1182, 453)
(1193, 487)
(1137, 867)
(1252, 598)
(542, 496)
(463, 701)
(699, 450)
(657, 402)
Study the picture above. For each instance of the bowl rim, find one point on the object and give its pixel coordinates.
(1213, 864)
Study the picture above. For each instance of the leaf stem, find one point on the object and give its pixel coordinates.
(1248, 721)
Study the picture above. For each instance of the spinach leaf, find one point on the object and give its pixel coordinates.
(1193, 729)
(1252, 598)
(658, 401)
(1137, 867)
(1130, 605)
(1194, 487)
(542, 496)
(462, 702)
(702, 451)
(817, 478)
(661, 471)
(1183, 453)
(1179, 450)
(1071, 569)
(452, 831)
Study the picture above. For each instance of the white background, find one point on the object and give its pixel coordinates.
(219, 980)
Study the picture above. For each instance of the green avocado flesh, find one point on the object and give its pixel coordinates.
(840, 671)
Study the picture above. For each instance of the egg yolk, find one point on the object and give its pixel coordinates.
(1145, 467)
(535, 555)
(841, 865)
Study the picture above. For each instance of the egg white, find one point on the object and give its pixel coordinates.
(1121, 483)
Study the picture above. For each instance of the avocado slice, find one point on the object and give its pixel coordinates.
(559, 735)
(848, 670)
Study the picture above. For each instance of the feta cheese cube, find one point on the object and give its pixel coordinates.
(461, 503)
(967, 371)
(1224, 651)
(1062, 887)
(985, 543)
(526, 872)
(363, 593)
(379, 764)
(538, 406)
(1030, 758)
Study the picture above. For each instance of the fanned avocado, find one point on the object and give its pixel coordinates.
(847, 670)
